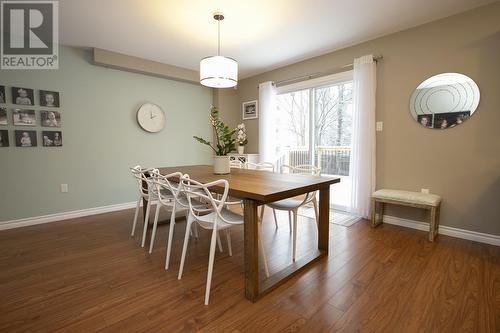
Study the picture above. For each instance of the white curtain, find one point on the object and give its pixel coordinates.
(267, 123)
(362, 161)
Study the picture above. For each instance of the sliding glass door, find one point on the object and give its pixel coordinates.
(314, 127)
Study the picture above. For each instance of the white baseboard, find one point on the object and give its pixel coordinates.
(444, 230)
(4, 225)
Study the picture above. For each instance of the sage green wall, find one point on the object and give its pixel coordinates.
(463, 163)
(100, 135)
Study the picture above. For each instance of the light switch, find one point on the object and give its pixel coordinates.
(64, 188)
(380, 126)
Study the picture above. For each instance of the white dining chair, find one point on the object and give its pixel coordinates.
(167, 190)
(292, 205)
(265, 166)
(141, 175)
(215, 216)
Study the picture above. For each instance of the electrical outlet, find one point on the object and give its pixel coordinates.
(425, 190)
(380, 126)
(64, 188)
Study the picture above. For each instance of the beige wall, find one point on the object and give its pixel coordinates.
(463, 163)
(228, 103)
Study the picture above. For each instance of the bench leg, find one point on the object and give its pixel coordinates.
(434, 223)
(377, 212)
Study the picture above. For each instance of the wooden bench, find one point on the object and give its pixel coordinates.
(431, 202)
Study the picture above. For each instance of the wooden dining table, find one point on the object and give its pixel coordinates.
(256, 188)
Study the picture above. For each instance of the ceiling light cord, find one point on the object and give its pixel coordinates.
(218, 37)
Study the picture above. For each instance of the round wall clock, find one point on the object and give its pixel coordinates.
(151, 117)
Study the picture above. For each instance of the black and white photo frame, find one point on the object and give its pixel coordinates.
(24, 117)
(23, 96)
(250, 110)
(49, 99)
(3, 116)
(3, 98)
(25, 138)
(52, 138)
(4, 138)
(50, 118)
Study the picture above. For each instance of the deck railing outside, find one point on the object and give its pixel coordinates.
(333, 160)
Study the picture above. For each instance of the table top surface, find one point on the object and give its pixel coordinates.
(260, 185)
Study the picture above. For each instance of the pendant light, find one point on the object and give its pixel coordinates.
(218, 71)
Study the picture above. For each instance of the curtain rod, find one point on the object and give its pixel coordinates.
(319, 74)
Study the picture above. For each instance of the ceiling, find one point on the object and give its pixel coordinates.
(260, 34)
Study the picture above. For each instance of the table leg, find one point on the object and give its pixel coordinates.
(324, 219)
(251, 250)
(144, 204)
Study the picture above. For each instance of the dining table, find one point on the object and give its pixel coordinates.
(259, 187)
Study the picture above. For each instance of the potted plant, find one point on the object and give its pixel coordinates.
(223, 143)
(241, 137)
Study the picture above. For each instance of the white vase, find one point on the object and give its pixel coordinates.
(241, 149)
(221, 165)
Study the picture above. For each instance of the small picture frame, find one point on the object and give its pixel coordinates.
(22, 117)
(4, 138)
(50, 118)
(52, 138)
(25, 138)
(22, 96)
(3, 99)
(3, 116)
(49, 99)
(250, 110)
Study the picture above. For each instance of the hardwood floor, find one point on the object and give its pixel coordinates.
(88, 275)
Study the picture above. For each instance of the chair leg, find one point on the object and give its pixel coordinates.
(219, 243)
(184, 247)
(155, 225)
(263, 250)
(170, 237)
(211, 264)
(148, 207)
(136, 214)
(294, 236)
(275, 219)
(290, 221)
(261, 215)
(195, 228)
(228, 237)
(315, 204)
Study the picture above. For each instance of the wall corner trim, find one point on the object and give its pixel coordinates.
(445, 230)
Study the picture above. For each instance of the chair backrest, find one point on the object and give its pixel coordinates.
(235, 164)
(143, 179)
(196, 192)
(170, 186)
(260, 166)
(303, 169)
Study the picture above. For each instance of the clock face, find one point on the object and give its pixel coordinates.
(151, 117)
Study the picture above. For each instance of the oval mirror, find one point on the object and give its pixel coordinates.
(444, 100)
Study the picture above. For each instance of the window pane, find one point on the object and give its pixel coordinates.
(292, 127)
(333, 106)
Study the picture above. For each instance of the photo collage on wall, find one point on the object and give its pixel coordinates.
(26, 114)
